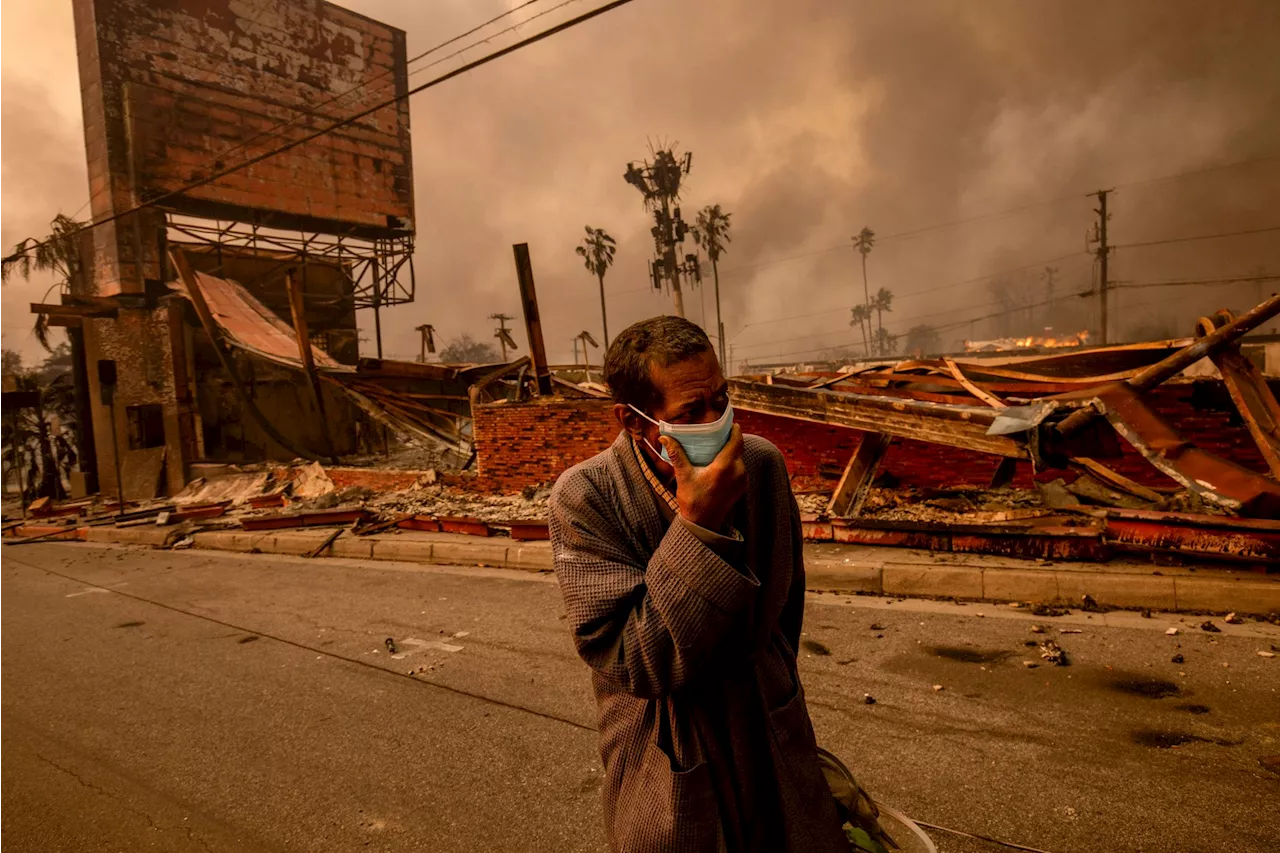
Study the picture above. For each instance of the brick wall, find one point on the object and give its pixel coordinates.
(169, 88)
(532, 443)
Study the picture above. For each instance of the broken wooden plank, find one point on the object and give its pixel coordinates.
(858, 475)
(328, 541)
(1004, 473)
(298, 309)
(1253, 398)
(380, 526)
(1153, 375)
(972, 387)
(1215, 479)
(954, 426)
(1116, 480)
(1092, 490)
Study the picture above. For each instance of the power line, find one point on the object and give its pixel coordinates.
(1193, 172)
(955, 325)
(1197, 237)
(490, 38)
(312, 113)
(911, 233)
(484, 60)
(1197, 282)
(919, 292)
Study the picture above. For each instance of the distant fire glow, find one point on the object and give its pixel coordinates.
(1047, 341)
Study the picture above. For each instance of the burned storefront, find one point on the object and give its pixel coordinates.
(214, 252)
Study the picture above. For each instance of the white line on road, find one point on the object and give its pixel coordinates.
(422, 646)
(87, 591)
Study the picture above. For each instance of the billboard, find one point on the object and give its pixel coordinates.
(177, 90)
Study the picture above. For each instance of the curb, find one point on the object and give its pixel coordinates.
(865, 570)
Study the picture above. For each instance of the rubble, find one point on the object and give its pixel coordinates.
(1053, 653)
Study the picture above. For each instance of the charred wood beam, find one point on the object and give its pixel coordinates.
(1253, 398)
(1149, 377)
(1215, 479)
(1004, 473)
(298, 310)
(983, 395)
(954, 426)
(847, 500)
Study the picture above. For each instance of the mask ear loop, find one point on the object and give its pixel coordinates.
(660, 454)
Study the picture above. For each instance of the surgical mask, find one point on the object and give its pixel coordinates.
(701, 442)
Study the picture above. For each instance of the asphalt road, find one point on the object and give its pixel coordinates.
(195, 701)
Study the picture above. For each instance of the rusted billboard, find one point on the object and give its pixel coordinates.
(175, 91)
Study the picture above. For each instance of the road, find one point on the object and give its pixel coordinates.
(197, 701)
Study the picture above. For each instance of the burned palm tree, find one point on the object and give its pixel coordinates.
(711, 233)
(597, 252)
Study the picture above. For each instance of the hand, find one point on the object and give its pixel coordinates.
(706, 495)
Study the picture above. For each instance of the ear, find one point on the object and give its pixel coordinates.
(629, 420)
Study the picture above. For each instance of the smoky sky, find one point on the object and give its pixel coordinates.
(807, 120)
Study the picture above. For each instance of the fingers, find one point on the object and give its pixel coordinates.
(679, 459)
(731, 451)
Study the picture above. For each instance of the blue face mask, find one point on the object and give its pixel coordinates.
(701, 442)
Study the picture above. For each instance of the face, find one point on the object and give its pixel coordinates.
(693, 391)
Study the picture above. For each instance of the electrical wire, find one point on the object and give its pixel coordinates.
(1197, 237)
(918, 292)
(1190, 282)
(222, 173)
(1194, 172)
(312, 112)
(899, 235)
(948, 326)
(490, 38)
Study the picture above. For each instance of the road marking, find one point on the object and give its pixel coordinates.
(422, 646)
(87, 591)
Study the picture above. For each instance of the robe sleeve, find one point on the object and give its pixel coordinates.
(648, 627)
(791, 620)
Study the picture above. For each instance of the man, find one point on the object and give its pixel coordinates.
(678, 551)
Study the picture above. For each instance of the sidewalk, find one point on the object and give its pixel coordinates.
(848, 569)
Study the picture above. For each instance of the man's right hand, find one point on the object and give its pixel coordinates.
(706, 495)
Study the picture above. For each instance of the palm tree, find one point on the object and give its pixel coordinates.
(864, 242)
(862, 316)
(58, 253)
(40, 441)
(596, 252)
(885, 342)
(882, 303)
(711, 232)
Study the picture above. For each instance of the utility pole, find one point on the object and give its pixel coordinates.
(575, 350)
(587, 340)
(1103, 251)
(502, 334)
(428, 333)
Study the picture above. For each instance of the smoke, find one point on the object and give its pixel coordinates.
(808, 120)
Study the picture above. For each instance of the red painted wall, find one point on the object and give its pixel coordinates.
(532, 443)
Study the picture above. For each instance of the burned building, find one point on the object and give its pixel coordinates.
(187, 104)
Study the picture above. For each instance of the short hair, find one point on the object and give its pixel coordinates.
(662, 341)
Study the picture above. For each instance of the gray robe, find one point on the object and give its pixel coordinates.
(704, 734)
